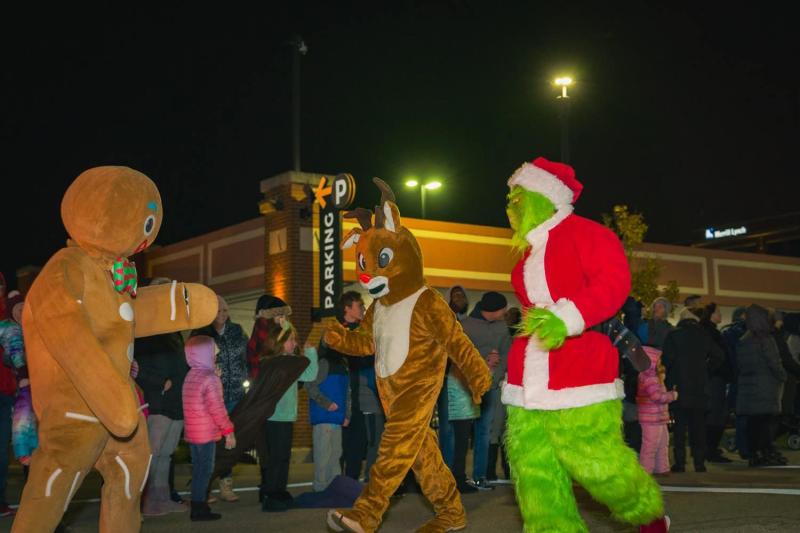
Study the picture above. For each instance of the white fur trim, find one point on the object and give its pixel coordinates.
(534, 274)
(570, 315)
(72, 489)
(539, 180)
(127, 473)
(535, 392)
(389, 223)
(558, 217)
(48, 490)
(391, 327)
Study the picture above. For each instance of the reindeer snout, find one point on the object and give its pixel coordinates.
(365, 278)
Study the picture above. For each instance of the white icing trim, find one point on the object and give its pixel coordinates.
(146, 473)
(172, 299)
(50, 480)
(127, 472)
(535, 392)
(567, 311)
(389, 222)
(85, 418)
(391, 329)
(72, 490)
(539, 180)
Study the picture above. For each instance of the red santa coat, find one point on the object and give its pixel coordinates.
(577, 269)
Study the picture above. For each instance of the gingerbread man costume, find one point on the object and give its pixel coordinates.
(80, 318)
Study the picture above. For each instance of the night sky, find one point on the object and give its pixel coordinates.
(689, 115)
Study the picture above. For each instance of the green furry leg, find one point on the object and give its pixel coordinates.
(543, 487)
(588, 443)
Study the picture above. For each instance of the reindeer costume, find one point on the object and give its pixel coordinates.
(412, 332)
(81, 316)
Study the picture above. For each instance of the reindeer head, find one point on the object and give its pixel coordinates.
(388, 257)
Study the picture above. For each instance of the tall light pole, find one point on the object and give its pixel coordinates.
(298, 48)
(563, 82)
(431, 185)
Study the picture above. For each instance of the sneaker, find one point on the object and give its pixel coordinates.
(467, 488)
(483, 484)
(5, 510)
(718, 458)
(174, 496)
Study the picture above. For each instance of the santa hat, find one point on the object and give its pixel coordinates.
(556, 181)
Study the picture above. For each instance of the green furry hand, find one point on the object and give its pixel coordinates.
(550, 329)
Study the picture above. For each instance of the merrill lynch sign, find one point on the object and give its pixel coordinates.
(712, 233)
(332, 195)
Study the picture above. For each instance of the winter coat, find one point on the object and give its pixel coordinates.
(459, 398)
(161, 358)
(205, 416)
(724, 370)
(286, 409)
(231, 359)
(791, 362)
(575, 268)
(688, 355)
(330, 386)
(488, 336)
(760, 376)
(652, 396)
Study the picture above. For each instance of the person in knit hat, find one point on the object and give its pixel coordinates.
(655, 330)
(563, 392)
(268, 308)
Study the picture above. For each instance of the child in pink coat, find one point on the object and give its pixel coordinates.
(652, 399)
(205, 418)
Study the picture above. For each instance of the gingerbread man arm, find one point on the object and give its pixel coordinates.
(64, 327)
(173, 307)
(352, 342)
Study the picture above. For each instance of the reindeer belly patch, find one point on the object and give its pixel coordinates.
(392, 331)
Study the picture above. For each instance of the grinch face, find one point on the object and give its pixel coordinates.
(526, 210)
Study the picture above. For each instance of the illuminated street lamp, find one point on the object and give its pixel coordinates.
(431, 185)
(564, 82)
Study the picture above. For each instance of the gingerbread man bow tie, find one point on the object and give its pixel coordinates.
(124, 275)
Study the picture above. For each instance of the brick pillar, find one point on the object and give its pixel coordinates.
(289, 261)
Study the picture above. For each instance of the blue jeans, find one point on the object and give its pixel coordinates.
(6, 403)
(447, 441)
(483, 427)
(202, 468)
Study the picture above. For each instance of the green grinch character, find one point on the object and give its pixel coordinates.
(563, 391)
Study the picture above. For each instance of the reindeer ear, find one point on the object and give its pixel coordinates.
(351, 238)
(391, 215)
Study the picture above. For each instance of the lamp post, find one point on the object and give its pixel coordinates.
(563, 82)
(431, 185)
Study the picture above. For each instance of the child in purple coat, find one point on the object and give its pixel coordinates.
(652, 399)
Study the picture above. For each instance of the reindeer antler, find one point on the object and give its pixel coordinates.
(386, 191)
(386, 196)
(364, 217)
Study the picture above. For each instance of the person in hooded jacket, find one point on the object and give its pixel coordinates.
(718, 380)
(162, 370)
(688, 355)
(457, 299)
(731, 334)
(760, 376)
